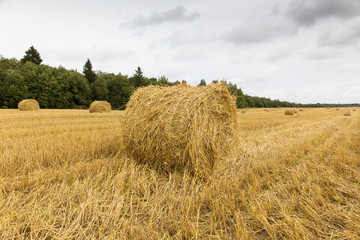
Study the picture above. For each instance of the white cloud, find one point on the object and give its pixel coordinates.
(176, 14)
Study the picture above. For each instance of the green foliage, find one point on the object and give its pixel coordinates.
(163, 81)
(12, 88)
(88, 72)
(138, 79)
(79, 89)
(32, 55)
(6, 64)
(119, 91)
(99, 90)
(202, 82)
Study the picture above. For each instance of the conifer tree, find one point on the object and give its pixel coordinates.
(88, 72)
(32, 55)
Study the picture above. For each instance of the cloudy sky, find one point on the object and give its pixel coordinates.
(294, 50)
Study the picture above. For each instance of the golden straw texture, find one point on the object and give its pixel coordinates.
(180, 127)
(289, 112)
(28, 105)
(100, 107)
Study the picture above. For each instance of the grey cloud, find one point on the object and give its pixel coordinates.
(275, 11)
(257, 30)
(176, 14)
(340, 37)
(307, 12)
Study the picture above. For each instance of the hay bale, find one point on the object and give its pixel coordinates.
(354, 110)
(100, 107)
(301, 110)
(181, 128)
(243, 111)
(28, 105)
(289, 112)
(347, 113)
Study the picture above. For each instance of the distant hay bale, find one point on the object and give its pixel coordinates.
(301, 110)
(181, 128)
(100, 107)
(289, 112)
(243, 111)
(337, 109)
(347, 113)
(266, 110)
(28, 105)
(354, 110)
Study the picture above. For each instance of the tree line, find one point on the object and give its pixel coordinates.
(57, 87)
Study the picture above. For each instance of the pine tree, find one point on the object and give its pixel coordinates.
(138, 79)
(89, 74)
(32, 55)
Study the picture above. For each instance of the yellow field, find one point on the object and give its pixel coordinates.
(63, 175)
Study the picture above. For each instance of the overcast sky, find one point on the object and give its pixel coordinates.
(294, 50)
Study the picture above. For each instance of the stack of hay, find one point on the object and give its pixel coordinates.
(289, 112)
(28, 105)
(181, 128)
(100, 107)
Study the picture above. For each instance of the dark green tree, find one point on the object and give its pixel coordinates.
(88, 72)
(119, 91)
(32, 55)
(240, 99)
(138, 79)
(12, 88)
(163, 81)
(202, 82)
(30, 72)
(99, 90)
(80, 89)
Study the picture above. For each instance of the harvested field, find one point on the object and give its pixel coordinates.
(64, 175)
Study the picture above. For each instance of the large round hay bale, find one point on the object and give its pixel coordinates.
(100, 107)
(181, 128)
(289, 112)
(28, 105)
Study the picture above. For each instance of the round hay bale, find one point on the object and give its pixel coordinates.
(289, 112)
(181, 128)
(347, 113)
(100, 107)
(28, 105)
(243, 111)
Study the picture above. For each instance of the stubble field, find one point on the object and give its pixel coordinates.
(64, 175)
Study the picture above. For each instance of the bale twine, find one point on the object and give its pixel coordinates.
(100, 107)
(289, 112)
(28, 105)
(181, 128)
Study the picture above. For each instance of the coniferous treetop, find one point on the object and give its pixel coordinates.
(88, 72)
(32, 55)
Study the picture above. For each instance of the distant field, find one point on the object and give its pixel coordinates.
(63, 175)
